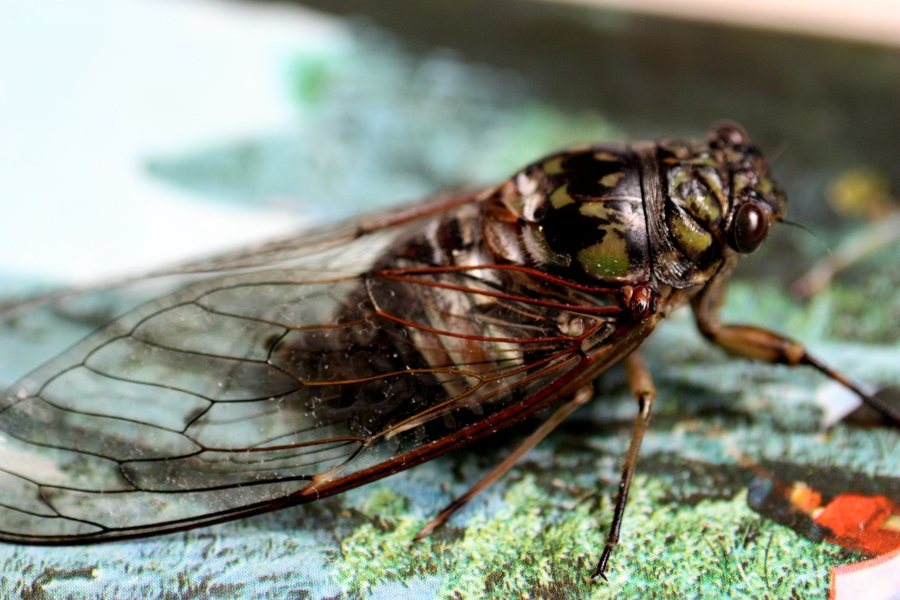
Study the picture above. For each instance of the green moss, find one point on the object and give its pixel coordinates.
(715, 549)
(540, 546)
(553, 553)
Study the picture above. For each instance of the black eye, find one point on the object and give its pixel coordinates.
(749, 228)
(728, 133)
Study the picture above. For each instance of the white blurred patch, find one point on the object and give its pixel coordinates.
(875, 579)
(90, 89)
(836, 402)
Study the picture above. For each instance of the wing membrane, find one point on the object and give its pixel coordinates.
(280, 375)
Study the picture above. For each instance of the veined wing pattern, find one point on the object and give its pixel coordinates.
(296, 370)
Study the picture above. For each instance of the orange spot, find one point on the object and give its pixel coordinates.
(857, 522)
(804, 497)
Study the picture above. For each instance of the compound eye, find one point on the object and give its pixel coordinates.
(728, 133)
(749, 228)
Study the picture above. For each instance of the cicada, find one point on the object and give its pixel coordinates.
(299, 369)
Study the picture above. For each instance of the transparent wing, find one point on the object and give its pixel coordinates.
(277, 377)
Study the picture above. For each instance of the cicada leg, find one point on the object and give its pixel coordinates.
(582, 396)
(641, 383)
(760, 344)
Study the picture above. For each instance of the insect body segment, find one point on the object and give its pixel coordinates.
(666, 212)
(579, 213)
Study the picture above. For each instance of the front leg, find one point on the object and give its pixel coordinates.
(752, 342)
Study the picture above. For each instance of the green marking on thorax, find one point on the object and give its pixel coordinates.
(560, 197)
(678, 177)
(553, 166)
(691, 238)
(612, 179)
(741, 181)
(703, 161)
(703, 207)
(597, 210)
(608, 258)
(714, 184)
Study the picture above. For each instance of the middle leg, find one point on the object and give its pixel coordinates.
(642, 387)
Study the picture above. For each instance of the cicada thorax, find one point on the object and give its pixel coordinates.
(638, 214)
(578, 213)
